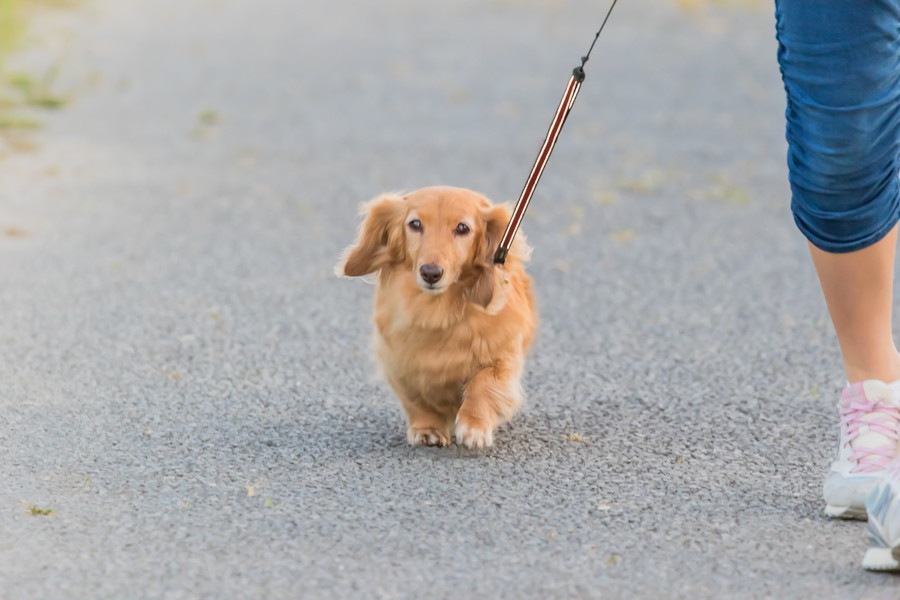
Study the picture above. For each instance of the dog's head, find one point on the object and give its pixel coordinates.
(446, 236)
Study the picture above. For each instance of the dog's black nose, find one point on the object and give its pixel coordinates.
(431, 274)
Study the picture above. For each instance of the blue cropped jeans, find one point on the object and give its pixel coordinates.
(840, 63)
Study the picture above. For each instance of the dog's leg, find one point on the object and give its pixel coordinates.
(425, 427)
(490, 398)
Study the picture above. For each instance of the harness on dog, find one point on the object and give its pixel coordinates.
(559, 119)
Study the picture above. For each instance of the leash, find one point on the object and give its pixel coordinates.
(559, 119)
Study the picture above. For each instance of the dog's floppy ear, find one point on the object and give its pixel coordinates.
(380, 238)
(484, 287)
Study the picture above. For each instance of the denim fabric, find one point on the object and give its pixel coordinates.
(840, 63)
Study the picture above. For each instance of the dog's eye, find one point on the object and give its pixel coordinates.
(462, 229)
(415, 225)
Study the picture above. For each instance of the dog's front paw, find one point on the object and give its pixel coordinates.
(427, 436)
(473, 433)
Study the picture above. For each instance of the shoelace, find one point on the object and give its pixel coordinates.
(851, 420)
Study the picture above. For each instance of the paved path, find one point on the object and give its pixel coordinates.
(187, 387)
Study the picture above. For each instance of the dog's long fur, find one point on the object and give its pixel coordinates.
(452, 351)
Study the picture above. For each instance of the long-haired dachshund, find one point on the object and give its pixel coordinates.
(451, 328)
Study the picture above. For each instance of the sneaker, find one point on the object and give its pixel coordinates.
(870, 428)
(883, 506)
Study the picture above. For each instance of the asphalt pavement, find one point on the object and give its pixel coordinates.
(188, 404)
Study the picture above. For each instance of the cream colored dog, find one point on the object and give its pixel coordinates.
(451, 328)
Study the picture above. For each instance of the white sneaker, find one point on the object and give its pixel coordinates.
(883, 506)
(870, 428)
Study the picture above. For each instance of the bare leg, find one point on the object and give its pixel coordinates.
(859, 289)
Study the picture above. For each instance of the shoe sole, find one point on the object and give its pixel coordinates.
(846, 512)
(882, 559)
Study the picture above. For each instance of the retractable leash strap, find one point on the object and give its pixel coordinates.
(559, 119)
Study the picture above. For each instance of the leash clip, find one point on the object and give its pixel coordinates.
(578, 72)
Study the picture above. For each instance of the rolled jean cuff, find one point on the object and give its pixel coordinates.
(848, 232)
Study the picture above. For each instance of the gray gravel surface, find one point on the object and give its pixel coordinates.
(188, 388)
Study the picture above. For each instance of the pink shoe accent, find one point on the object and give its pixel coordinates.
(860, 416)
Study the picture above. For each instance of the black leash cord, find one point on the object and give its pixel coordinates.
(585, 58)
(559, 119)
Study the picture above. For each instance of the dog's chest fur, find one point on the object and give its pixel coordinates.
(430, 345)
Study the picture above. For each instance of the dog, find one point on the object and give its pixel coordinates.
(452, 329)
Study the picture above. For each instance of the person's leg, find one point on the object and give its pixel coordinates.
(859, 291)
(840, 63)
